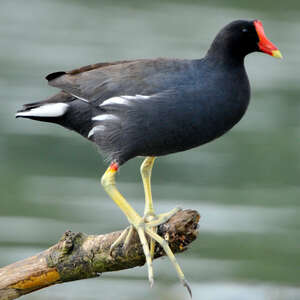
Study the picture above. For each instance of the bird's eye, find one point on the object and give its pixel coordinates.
(244, 30)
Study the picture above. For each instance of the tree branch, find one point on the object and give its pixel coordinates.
(78, 256)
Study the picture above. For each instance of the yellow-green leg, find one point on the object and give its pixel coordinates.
(143, 225)
(108, 182)
(146, 171)
(149, 215)
(152, 220)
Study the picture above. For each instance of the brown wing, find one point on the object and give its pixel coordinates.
(85, 82)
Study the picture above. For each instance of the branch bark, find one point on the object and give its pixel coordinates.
(79, 256)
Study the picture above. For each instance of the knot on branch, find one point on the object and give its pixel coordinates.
(179, 231)
(68, 240)
(70, 258)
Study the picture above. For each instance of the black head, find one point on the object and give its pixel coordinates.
(239, 38)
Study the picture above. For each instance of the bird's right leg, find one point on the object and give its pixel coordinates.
(109, 185)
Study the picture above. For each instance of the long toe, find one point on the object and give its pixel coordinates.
(161, 218)
(164, 244)
(124, 238)
(142, 236)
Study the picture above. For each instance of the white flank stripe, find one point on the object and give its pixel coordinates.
(94, 129)
(47, 110)
(115, 100)
(123, 100)
(143, 97)
(105, 117)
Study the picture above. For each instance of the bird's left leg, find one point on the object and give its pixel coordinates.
(152, 220)
(146, 171)
(149, 214)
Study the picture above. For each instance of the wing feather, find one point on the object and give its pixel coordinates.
(98, 82)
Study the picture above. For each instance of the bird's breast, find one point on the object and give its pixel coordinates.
(190, 120)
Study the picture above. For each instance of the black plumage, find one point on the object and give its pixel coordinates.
(175, 104)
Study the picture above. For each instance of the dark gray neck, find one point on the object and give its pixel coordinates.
(222, 54)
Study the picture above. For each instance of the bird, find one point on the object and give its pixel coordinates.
(151, 108)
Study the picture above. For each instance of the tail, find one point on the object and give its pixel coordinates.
(47, 110)
(63, 109)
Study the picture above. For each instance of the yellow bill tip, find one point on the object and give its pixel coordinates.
(277, 54)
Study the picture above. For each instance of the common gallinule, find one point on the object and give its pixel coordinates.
(154, 107)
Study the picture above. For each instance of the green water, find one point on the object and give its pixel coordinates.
(245, 185)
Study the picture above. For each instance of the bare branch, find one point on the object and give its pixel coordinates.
(78, 256)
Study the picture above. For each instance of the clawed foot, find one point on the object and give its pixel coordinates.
(147, 226)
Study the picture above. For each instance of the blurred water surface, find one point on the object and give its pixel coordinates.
(245, 185)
